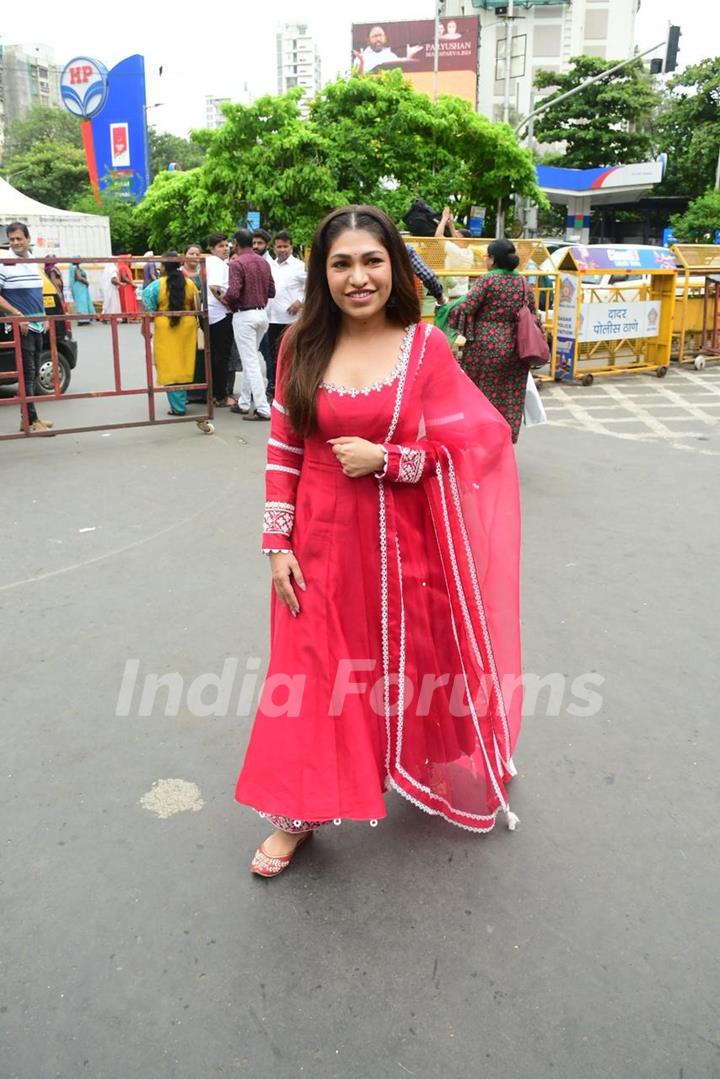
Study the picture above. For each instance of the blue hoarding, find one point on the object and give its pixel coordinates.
(119, 130)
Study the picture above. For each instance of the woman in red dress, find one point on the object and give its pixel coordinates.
(128, 297)
(487, 319)
(392, 530)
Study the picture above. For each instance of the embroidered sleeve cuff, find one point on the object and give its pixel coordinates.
(278, 518)
(277, 550)
(404, 464)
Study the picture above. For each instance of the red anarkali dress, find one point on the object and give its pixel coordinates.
(402, 669)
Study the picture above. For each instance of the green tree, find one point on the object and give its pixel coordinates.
(178, 209)
(127, 232)
(609, 123)
(41, 124)
(54, 173)
(392, 144)
(166, 148)
(366, 139)
(689, 129)
(700, 221)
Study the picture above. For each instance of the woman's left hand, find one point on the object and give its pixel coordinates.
(357, 456)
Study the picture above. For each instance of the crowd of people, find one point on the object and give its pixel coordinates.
(252, 296)
(256, 291)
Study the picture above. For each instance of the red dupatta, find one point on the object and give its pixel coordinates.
(470, 486)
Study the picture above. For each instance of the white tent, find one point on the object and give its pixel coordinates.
(52, 231)
(62, 233)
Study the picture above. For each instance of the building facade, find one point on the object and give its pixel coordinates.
(213, 114)
(28, 76)
(298, 61)
(214, 118)
(543, 36)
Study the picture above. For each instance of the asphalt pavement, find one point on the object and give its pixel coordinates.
(136, 942)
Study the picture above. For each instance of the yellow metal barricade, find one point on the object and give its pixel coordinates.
(459, 260)
(694, 335)
(614, 311)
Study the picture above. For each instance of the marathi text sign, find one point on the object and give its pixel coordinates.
(618, 321)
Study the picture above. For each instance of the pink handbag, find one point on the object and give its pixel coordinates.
(532, 346)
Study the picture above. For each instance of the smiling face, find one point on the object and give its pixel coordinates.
(359, 274)
(19, 242)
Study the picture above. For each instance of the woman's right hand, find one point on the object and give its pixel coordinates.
(284, 566)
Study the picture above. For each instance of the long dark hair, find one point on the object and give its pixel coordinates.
(310, 343)
(176, 285)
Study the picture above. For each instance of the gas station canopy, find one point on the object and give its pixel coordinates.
(581, 189)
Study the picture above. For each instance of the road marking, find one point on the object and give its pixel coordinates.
(691, 402)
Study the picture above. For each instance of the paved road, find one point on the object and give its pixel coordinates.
(582, 946)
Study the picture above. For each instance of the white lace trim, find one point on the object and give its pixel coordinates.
(401, 715)
(471, 635)
(276, 404)
(351, 391)
(285, 446)
(277, 550)
(282, 468)
(278, 518)
(394, 785)
(480, 607)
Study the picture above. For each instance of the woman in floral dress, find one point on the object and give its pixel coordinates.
(392, 531)
(487, 319)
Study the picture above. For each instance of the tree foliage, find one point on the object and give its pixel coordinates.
(689, 129)
(166, 149)
(700, 221)
(41, 125)
(609, 123)
(366, 139)
(54, 173)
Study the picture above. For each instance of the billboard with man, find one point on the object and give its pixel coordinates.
(411, 47)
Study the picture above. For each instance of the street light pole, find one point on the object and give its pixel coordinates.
(508, 53)
(500, 212)
(146, 109)
(439, 8)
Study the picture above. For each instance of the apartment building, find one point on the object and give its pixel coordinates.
(28, 76)
(298, 60)
(544, 34)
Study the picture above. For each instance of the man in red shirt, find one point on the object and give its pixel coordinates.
(250, 286)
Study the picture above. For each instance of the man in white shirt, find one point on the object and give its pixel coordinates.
(284, 308)
(220, 318)
(377, 53)
(261, 246)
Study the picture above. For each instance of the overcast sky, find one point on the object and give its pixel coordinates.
(207, 48)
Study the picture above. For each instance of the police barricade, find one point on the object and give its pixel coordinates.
(458, 261)
(134, 362)
(696, 328)
(614, 311)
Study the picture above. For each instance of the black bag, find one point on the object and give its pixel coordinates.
(421, 219)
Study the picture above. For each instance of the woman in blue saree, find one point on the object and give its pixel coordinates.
(80, 289)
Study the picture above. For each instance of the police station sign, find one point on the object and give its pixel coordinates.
(619, 321)
(84, 86)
